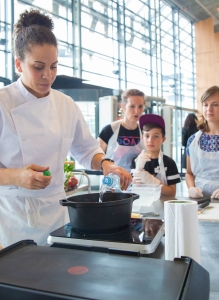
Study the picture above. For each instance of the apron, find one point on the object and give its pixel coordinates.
(122, 155)
(25, 218)
(162, 174)
(204, 166)
(33, 214)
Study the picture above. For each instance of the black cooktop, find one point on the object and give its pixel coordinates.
(142, 235)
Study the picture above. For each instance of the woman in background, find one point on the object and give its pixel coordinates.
(189, 128)
(202, 174)
(122, 140)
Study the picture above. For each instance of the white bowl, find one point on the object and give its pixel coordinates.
(148, 193)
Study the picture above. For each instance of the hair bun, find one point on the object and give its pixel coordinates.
(34, 17)
(32, 28)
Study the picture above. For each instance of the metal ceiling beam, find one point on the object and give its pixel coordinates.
(205, 8)
(185, 10)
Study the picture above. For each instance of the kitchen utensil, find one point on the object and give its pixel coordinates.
(144, 215)
(88, 215)
(150, 214)
(210, 214)
(204, 204)
(137, 238)
(201, 210)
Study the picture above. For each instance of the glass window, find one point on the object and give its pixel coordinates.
(168, 55)
(135, 23)
(118, 45)
(61, 34)
(137, 57)
(167, 68)
(139, 76)
(65, 54)
(2, 11)
(100, 43)
(186, 64)
(101, 64)
(2, 60)
(3, 40)
(97, 79)
(184, 23)
(186, 50)
(165, 10)
(62, 9)
(135, 6)
(88, 111)
(64, 70)
(166, 25)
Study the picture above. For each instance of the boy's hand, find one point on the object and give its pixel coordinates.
(141, 160)
(144, 177)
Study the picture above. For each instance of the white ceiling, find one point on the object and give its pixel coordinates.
(200, 10)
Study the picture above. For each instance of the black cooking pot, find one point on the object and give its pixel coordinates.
(88, 215)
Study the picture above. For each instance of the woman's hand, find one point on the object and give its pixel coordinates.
(110, 167)
(30, 177)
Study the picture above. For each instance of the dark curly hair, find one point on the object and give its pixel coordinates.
(32, 28)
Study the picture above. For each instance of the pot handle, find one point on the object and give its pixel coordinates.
(135, 196)
(65, 202)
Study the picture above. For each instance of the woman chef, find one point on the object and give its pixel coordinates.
(38, 127)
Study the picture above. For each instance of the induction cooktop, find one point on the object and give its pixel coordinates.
(141, 236)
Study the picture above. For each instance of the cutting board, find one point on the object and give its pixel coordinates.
(210, 213)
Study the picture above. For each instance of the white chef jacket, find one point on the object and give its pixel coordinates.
(39, 131)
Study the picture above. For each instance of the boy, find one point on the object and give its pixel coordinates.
(151, 166)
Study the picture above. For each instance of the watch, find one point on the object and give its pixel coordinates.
(108, 159)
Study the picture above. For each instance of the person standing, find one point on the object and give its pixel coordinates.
(152, 166)
(202, 174)
(189, 128)
(121, 140)
(38, 127)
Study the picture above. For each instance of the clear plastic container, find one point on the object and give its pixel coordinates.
(148, 193)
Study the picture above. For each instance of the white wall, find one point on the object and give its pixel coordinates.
(108, 110)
